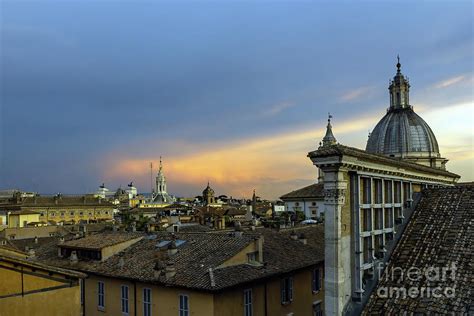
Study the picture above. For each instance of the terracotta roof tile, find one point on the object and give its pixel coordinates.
(440, 233)
(311, 191)
(198, 253)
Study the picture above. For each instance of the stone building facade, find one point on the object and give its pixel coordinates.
(368, 199)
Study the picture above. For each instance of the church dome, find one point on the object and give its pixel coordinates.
(402, 133)
(208, 191)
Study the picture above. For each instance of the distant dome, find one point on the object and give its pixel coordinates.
(208, 191)
(402, 132)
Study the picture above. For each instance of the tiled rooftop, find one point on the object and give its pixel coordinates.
(439, 234)
(99, 241)
(54, 201)
(311, 191)
(198, 253)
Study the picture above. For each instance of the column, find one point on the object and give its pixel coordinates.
(337, 248)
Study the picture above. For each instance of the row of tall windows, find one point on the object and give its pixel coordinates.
(146, 299)
(373, 191)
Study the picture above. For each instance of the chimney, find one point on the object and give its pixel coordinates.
(293, 235)
(170, 270)
(36, 239)
(172, 249)
(31, 253)
(61, 239)
(260, 249)
(238, 230)
(158, 269)
(211, 277)
(302, 238)
(83, 228)
(73, 258)
(121, 263)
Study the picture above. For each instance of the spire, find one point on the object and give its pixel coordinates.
(399, 89)
(161, 180)
(329, 138)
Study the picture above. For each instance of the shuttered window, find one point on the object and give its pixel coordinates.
(286, 286)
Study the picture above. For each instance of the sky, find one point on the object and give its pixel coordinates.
(231, 92)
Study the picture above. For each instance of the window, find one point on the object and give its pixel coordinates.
(286, 287)
(367, 249)
(146, 302)
(317, 310)
(100, 295)
(52, 214)
(248, 302)
(124, 299)
(183, 305)
(378, 191)
(252, 257)
(388, 191)
(366, 191)
(388, 217)
(317, 280)
(398, 192)
(378, 212)
(71, 213)
(366, 219)
(379, 246)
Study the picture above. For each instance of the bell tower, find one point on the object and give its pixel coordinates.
(160, 180)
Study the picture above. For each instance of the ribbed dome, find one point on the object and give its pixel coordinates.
(402, 133)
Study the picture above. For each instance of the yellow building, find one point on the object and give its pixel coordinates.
(63, 209)
(22, 218)
(266, 273)
(31, 288)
